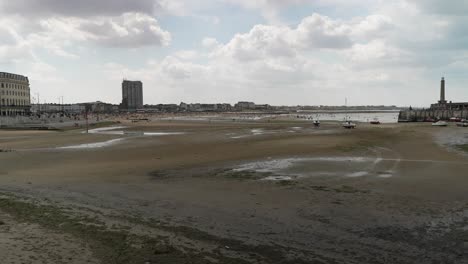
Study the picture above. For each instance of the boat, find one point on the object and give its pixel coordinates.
(375, 122)
(456, 119)
(316, 123)
(349, 125)
(440, 124)
(463, 123)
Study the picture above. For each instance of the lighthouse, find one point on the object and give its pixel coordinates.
(442, 92)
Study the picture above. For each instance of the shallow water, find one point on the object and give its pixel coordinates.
(302, 167)
(386, 117)
(358, 174)
(114, 131)
(94, 145)
(103, 130)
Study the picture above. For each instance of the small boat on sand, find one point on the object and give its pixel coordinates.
(349, 125)
(375, 122)
(440, 124)
(463, 123)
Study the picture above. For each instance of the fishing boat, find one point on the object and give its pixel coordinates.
(349, 125)
(440, 124)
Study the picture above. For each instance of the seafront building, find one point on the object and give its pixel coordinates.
(15, 94)
(73, 109)
(132, 95)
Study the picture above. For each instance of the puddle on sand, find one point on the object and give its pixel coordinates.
(278, 178)
(237, 137)
(295, 168)
(385, 175)
(155, 133)
(357, 174)
(254, 132)
(104, 129)
(116, 132)
(94, 145)
(453, 140)
(257, 131)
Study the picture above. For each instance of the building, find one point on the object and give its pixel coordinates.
(80, 108)
(47, 108)
(443, 104)
(132, 95)
(263, 107)
(15, 94)
(224, 107)
(183, 107)
(98, 107)
(245, 106)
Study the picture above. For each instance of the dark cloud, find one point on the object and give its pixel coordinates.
(77, 8)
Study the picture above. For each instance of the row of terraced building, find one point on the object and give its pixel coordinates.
(15, 94)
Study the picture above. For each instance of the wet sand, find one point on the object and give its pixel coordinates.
(242, 192)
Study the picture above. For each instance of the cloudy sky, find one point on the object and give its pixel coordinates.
(294, 52)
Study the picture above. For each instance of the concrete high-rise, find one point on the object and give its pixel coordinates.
(132, 95)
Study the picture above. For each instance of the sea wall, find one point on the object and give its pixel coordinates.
(424, 114)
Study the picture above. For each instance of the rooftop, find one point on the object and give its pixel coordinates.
(12, 76)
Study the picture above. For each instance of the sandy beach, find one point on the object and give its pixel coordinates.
(235, 191)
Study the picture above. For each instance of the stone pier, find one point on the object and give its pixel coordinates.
(437, 114)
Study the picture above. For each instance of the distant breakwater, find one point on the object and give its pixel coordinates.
(431, 114)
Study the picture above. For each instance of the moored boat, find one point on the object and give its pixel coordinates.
(463, 123)
(440, 124)
(375, 122)
(349, 125)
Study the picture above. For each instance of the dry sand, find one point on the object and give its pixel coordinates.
(217, 194)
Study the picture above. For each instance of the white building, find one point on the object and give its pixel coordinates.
(15, 94)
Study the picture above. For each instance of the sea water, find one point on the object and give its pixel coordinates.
(386, 117)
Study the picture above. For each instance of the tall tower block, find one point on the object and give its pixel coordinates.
(442, 92)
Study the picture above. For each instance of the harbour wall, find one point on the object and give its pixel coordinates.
(425, 114)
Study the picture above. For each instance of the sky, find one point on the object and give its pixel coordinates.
(279, 52)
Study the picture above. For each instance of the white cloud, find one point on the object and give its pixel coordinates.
(378, 53)
(210, 43)
(318, 31)
(130, 30)
(261, 42)
(314, 32)
(372, 26)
